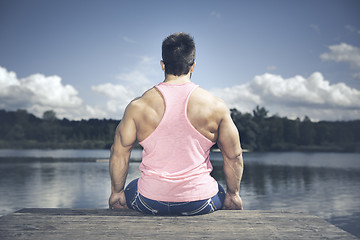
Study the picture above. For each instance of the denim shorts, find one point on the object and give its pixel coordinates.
(138, 202)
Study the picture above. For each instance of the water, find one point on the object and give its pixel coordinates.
(322, 184)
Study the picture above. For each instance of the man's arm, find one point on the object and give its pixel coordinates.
(125, 137)
(229, 143)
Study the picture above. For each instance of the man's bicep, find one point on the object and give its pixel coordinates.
(125, 134)
(127, 130)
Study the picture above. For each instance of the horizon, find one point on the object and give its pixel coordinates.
(305, 118)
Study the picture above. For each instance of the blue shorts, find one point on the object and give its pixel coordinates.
(138, 202)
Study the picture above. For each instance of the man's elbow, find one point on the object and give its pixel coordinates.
(239, 159)
(236, 158)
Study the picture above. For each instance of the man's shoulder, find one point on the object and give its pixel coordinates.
(211, 100)
(139, 103)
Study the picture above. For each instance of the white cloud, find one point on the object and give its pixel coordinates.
(113, 91)
(295, 97)
(38, 93)
(119, 96)
(131, 84)
(38, 90)
(343, 53)
(49, 91)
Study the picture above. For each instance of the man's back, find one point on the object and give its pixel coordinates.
(207, 114)
(204, 112)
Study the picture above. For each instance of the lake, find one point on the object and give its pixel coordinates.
(323, 184)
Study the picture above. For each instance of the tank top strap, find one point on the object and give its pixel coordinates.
(176, 96)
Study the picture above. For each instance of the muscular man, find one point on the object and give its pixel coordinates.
(176, 122)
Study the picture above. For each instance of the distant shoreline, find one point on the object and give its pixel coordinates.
(327, 149)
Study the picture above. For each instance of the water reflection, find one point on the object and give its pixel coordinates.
(325, 185)
(326, 188)
(59, 184)
(314, 190)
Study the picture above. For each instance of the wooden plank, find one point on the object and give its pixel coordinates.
(90, 224)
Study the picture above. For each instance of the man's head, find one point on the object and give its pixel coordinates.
(178, 53)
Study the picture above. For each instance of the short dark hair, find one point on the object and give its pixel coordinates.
(178, 53)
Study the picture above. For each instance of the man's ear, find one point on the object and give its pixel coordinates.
(192, 67)
(162, 65)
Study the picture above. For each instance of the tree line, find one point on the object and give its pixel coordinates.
(20, 129)
(258, 132)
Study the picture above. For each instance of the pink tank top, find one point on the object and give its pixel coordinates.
(175, 165)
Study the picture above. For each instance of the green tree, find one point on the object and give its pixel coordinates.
(260, 113)
(291, 131)
(49, 115)
(307, 133)
(275, 135)
(16, 132)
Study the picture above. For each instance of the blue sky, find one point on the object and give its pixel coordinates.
(88, 59)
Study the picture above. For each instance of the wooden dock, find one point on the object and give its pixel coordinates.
(37, 223)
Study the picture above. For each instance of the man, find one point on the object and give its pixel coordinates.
(176, 122)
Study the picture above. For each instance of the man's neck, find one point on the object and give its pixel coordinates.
(172, 79)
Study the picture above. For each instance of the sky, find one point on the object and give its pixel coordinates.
(89, 59)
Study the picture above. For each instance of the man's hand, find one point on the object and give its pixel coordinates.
(117, 200)
(232, 202)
